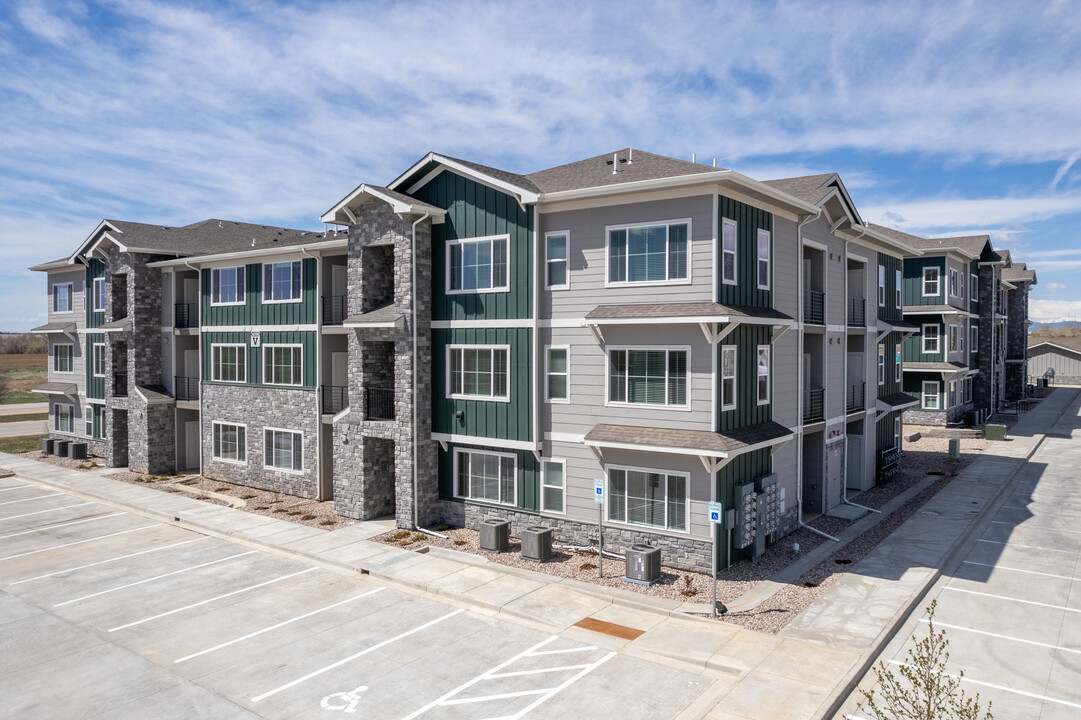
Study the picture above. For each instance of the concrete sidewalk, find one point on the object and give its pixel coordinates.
(801, 673)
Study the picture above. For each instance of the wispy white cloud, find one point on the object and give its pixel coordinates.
(1056, 286)
(958, 213)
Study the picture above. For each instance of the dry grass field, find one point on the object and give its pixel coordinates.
(23, 372)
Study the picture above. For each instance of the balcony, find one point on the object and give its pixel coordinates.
(814, 405)
(814, 307)
(379, 403)
(186, 315)
(333, 309)
(855, 396)
(857, 312)
(187, 388)
(335, 399)
(120, 384)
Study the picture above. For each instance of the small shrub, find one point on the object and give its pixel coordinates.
(688, 587)
(307, 517)
(587, 566)
(459, 542)
(400, 535)
(417, 537)
(327, 521)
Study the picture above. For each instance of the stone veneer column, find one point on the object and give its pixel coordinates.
(981, 386)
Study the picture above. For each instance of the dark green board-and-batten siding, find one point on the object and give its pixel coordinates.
(94, 318)
(254, 311)
(742, 469)
(912, 348)
(891, 385)
(95, 386)
(255, 354)
(890, 312)
(485, 418)
(528, 480)
(913, 290)
(475, 210)
(746, 338)
(749, 220)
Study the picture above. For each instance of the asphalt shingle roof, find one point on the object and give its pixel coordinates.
(208, 237)
(812, 188)
(597, 171)
(729, 442)
(1018, 273)
(972, 244)
(897, 399)
(646, 311)
(1071, 343)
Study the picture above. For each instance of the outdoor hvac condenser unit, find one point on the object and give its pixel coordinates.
(643, 564)
(77, 451)
(60, 447)
(47, 446)
(494, 534)
(536, 543)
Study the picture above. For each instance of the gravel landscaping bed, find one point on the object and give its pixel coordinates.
(88, 464)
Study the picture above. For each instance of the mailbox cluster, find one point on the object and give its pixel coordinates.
(760, 506)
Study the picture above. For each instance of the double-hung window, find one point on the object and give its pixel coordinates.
(953, 337)
(930, 335)
(647, 377)
(897, 288)
(897, 362)
(974, 287)
(728, 377)
(228, 363)
(64, 358)
(953, 392)
(882, 286)
(763, 259)
(281, 282)
(553, 497)
(557, 374)
(478, 265)
(283, 449)
(974, 340)
(648, 253)
(930, 282)
(283, 364)
(64, 418)
(98, 351)
(961, 284)
(556, 256)
(763, 375)
(487, 476)
(99, 295)
(647, 497)
(230, 442)
(62, 293)
(227, 285)
(729, 233)
(478, 372)
(881, 364)
(953, 283)
(930, 395)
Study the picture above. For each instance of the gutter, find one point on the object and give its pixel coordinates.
(324, 245)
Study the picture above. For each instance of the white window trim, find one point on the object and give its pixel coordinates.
(897, 362)
(898, 278)
(938, 281)
(214, 368)
(951, 338)
(88, 421)
(263, 357)
(924, 395)
(479, 398)
(56, 417)
(542, 486)
(547, 393)
(267, 428)
(512, 456)
(758, 257)
(231, 424)
(94, 290)
(94, 359)
(655, 528)
(735, 253)
(938, 339)
(489, 239)
(953, 286)
(647, 283)
(53, 369)
(608, 376)
(881, 363)
(973, 339)
(243, 270)
(897, 433)
(567, 260)
(71, 298)
(882, 286)
(722, 377)
(974, 288)
(952, 393)
(769, 374)
(262, 274)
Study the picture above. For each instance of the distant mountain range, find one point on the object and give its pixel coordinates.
(1050, 328)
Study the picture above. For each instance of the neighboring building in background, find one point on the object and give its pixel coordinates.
(1059, 354)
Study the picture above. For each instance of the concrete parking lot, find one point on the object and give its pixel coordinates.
(105, 613)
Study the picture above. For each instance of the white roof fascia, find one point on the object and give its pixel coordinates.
(871, 232)
(331, 216)
(201, 259)
(82, 245)
(524, 196)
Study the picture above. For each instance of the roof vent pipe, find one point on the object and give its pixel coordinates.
(714, 162)
(615, 163)
(630, 156)
(693, 158)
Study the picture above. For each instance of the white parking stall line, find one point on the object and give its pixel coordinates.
(552, 692)
(275, 627)
(80, 542)
(1027, 572)
(156, 577)
(36, 497)
(60, 525)
(1003, 637)
(213, 599)
(42, 512)
(15, 487)
(339, 663)
(1027, 547)
(966, 679)
(540, 671)
(110, 560)
(585, 648)
(1033, 527)
(1017, 600)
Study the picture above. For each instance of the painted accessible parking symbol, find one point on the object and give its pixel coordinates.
(344, 701)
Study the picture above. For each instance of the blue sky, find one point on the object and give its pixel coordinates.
(942, 118)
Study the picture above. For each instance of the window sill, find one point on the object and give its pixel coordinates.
(645, 283)
(478, 291)
(479, 398)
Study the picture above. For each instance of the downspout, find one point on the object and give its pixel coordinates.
(199, 348)
(416, 433)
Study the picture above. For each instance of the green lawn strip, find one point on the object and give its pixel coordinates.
(25, 443)
(24, 417)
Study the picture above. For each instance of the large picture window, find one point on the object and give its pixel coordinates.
(648, 253)
(281, 282)
(556, 261)
(228, 363)
(557, 374)
(728, 377)
(647, 497)
(553, 497)
(930, 336)
(283, 364)
(478, 265)
(491, 477)
(479, 372)
(763, 259)
(62, 297)
(930, 282)
(283, 449)
(647, 377)
(729, 230)
(230, 442)
(227, 285)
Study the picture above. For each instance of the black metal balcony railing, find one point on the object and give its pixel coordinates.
(120, 384)
(379, 403)
(855, 396)
(187, 388)
(857, 312)
(335, 399)
(814, 307)
(186, 315)
(814, 405)
(333, 309)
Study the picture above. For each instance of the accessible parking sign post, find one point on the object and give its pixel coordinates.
(716, 518)
(598, 497)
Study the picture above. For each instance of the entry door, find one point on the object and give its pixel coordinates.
(856, 287)
(854, 465)
(835, 472)
(191, 290)
(191, 363)
(339, 362)
(191, 445)
(338, 280)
